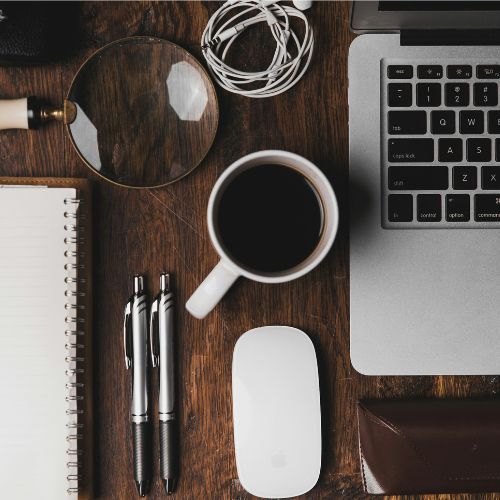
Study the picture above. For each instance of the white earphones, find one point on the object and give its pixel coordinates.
(302, 4)
(284, 71)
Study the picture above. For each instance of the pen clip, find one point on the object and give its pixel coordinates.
(127, 338)
(153, 333)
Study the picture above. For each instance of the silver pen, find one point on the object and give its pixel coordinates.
(135, 339)
(162, 355)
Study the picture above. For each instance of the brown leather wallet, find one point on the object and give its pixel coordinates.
(429, 446)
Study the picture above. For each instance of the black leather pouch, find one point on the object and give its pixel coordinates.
(37, 32)
(429, 446)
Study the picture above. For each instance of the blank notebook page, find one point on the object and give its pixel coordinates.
(32, 342)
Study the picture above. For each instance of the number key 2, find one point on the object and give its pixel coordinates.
(457, 94)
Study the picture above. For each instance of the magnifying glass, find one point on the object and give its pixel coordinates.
(141, 112)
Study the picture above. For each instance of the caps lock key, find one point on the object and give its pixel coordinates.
(411, 150)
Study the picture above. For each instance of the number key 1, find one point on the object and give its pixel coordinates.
(428, 94)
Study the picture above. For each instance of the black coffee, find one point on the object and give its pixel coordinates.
(269, 218)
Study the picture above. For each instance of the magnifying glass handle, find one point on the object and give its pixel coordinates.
(28, 113)
(14, 113)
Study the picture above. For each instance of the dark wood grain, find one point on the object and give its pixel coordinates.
(149, 231)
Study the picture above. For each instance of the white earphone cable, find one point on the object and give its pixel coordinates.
(283, 72)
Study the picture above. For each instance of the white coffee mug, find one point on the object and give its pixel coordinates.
(227, 271)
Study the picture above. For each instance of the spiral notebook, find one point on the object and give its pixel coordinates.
(45, 342)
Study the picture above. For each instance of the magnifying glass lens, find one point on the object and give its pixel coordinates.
(146, 112)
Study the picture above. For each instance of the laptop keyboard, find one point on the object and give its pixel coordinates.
(440, 144)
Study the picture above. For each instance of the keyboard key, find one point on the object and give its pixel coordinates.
(487, 207)
(457, 207)
(457, 94)
(471, 122)
(490, 177)
(400, 71)
(426, 178)
(405, 150)
(478, 150)
(428, 207)
(485, 94)
(494, 122)
(407, 122)
(399, 94)
(443, 122)
(464, 177)
(450, 150)
(488, 71)
(428, 94)
(497, 149)
(430, 71)
(400, 207)
(459, 71)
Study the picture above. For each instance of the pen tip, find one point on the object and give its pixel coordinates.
(142, 487)
(169, 485)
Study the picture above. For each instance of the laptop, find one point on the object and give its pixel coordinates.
(424, 119)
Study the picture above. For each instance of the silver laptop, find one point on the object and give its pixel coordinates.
(424, 120)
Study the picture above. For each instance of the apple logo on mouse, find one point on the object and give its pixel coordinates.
(278, 460)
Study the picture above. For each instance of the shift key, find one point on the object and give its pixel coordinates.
(412, 177)
(407, 150)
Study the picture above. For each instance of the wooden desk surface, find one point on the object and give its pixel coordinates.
(149, 231)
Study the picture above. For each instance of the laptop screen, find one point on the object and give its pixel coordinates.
(393, 16)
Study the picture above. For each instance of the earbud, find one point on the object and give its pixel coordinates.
(302, 4)
(298, 4)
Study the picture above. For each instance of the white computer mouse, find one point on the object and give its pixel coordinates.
(276, 412)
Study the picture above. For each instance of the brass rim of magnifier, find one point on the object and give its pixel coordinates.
(68, 107)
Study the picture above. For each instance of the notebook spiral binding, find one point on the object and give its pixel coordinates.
(75, 345)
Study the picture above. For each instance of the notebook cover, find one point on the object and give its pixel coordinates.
(85, 220)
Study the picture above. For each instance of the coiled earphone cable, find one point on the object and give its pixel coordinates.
(283, 72)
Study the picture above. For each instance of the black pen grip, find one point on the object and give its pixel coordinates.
(142, 453)
(168, 450)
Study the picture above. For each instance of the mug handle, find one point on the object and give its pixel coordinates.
(211, 291)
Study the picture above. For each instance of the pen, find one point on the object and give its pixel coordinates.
(135, 337)
(162, 355)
